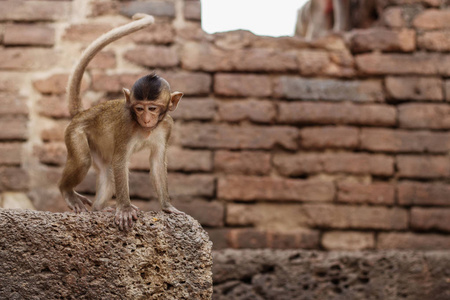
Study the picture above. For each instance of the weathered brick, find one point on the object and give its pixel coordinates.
(260, 111)
(85, 33)
(294, 239)
(334, 113)
(14, 128)
(178, 160)
(219, 237)
(329, 89)
(250, 238)
(416, 166)
(11, 82)
(34, 10)
(429, 116)
(355, 217)
(348, 240)
(435, 41)
(394, 17)
(13, 178)
(13, 104)
(210, 58)
(11, 153)
(243, 162)
(374, 193)
(29, 35)
(153, 56)
(54, 131)
(447, 90)
(102, 8)
(195, 109)
(107, 83)
(158, 33)
(56, 84)
(155, 8)
(432, 19)
(419, 193)
(312, 62)
(349, 163)
(51, 153)
(414, 241)
(430, 219)
(189, 83)
(265, 188)
(415, 88)
(103, 60)
(388, 140)
(223, 136)
(23, 59)
(208, 213)
(384, 40)
(404, 64)
(242, 85)
(192, 10)
(54, 106)
(327, 137)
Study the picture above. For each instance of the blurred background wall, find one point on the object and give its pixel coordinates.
(338, 143)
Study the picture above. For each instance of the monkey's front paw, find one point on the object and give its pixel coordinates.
(125, 217)
(172, 210)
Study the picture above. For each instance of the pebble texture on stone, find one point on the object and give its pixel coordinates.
(307, 275)
(68, 256)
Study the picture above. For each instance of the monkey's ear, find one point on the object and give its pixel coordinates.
(127, 94)
(174, 99)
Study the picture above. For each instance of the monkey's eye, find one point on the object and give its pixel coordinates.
(139, 109)
(152, 108)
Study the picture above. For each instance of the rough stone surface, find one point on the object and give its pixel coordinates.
(47, 256)
(301, 275)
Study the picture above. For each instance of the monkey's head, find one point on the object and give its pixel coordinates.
(150, 99)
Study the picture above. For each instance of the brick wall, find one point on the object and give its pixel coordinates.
(341, 143)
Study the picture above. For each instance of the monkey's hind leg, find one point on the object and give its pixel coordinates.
(77, 166)
(105, 186)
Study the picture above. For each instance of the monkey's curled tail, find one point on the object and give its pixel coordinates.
(73, 89)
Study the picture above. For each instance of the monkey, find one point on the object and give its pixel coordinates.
(318, 17)
(106, 135)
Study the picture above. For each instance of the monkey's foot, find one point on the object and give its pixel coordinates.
(172, 210)
(77, 202)
(125, 217)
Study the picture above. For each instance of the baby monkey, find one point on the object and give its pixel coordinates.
(107, 134)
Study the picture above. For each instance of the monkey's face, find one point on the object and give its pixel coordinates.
(148, 113)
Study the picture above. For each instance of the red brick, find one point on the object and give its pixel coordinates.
(54, 131)
(430, 116)
(55, 106)
(394, 17)
(355, 217)
(419, 193)
(13, 104)
(85, 33)
(102, 8)
(430, 219)
(389, 140)
(107, 83)
(348, 240)
(23, 59)
(223, 136)
(294, 239)
(210, 58)
(155, 8)
(435, 41)
(103, 60)
(313, 62)
(48, 199)
(242, 85)
(14, 128)
(248, 238)
(192, 10)
(265, 188)
(195, 109)
(260, 111)
(413, 241)
(415, 166)
(432, 19)
(29, 35)
(243, 162)
(208, 213)
(56, 84)
(153, 56)
(34, 10)
(11, 153)
(13, 178)
(327, 137)
(51, 153)
(219, 237)
(329, 89)
(404, 64)
(349, 163)
(159, 33)
(334, 113)
(383, 40)
(189, 83)
(373, 193)
(178, 160)
(415, 88)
